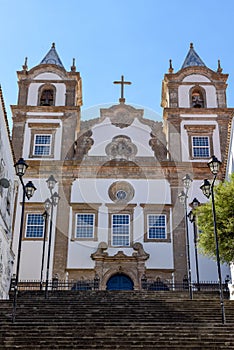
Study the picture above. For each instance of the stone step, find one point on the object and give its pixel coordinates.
(118, 294)
(116, 343)
(115, 320)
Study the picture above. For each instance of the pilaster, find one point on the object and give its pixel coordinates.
(179, 234)
(61, 233)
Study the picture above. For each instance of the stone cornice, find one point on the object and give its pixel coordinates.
(47, 68)
(67, 171)
(198, 128)
(44, 109)
(197, 111)
(182, 73)
(44, 125)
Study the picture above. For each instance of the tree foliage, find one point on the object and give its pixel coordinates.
(224, 207)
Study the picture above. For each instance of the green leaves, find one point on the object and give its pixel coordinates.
(224, 206)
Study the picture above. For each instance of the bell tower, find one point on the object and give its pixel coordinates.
(195, 110)
(46, 119)
(196, 120)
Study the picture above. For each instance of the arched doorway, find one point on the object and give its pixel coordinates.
(119, 282)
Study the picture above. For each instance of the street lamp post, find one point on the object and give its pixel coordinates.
(192, 218)
(183, 196)
(28, 191)
(208, 189)
(54, 198)
(45, 217)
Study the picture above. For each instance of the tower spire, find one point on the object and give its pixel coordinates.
(52, 57)
(192, 59)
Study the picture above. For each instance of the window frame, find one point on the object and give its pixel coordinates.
(122, 224)
(159, 226)
(27, 226)
(85, 208)
(42, 145)
(200, 147)
(42, 129)
(83, 226)
(199, 130)
(157, 209)
(118, 209)
(33, 208)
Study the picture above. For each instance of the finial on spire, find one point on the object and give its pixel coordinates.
(191, 45)
(220, 69)
(53, 46)
(73, 67)
(25, 65)
(171, 69)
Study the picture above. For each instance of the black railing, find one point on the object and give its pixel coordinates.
(150, 285)
(56, 284)
(206, 286)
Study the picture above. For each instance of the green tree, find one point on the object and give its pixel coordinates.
(224, 206)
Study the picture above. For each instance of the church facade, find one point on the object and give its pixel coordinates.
(118, 176)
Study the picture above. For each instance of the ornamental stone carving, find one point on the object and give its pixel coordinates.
(158, 145)
(121, 147)
(122, 115)
(140, 252)
(100, 252)
(82, 145)
(130, 265)
(121, 192)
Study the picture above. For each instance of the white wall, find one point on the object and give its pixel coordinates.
(138, 132)
(96, 191)
(30, 263)
(161, 254)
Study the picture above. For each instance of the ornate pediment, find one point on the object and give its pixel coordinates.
(121, 115)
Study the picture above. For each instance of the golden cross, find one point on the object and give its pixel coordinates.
(122, 82)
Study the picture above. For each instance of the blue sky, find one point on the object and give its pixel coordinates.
(109, 38)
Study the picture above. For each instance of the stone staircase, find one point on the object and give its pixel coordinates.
(116, 320)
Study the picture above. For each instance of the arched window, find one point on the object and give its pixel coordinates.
(197, 98)
(47, 96)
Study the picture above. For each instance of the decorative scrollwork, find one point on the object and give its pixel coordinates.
(83, 144)
(158, 146)
(121, 147)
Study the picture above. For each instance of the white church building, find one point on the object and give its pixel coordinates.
(118, 176)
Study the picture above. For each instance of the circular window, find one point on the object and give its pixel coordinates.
(121, 194)
(121, 191)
